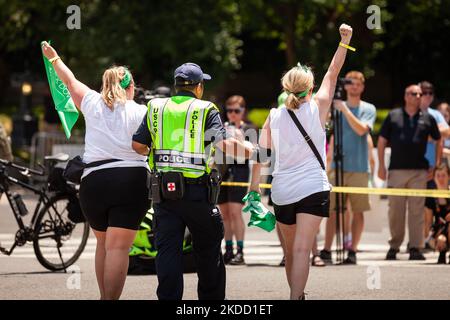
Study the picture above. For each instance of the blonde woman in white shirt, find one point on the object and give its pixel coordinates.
(113, 195)
(300, 187)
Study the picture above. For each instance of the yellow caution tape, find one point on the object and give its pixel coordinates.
(380, 191)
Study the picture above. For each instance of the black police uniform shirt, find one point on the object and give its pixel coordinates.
(408, 137)
(213, 125)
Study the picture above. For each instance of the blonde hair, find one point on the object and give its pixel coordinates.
(356, 75)
(112, 92)
(298, 80)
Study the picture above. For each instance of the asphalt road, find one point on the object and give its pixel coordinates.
(22, 277)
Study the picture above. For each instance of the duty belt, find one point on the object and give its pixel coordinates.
(200, 180)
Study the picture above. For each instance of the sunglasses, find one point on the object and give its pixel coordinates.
(237, 111)
(415, 94)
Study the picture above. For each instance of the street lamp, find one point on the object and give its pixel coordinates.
(27, 89)
(24, 123)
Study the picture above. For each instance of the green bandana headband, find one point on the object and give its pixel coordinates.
(125, 82)
(303, 93)
(300, 94)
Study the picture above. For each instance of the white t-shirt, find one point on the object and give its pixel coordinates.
(109, 132)
(297, 173)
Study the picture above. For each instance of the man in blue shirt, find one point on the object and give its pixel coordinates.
(434, 150)
(357, 122)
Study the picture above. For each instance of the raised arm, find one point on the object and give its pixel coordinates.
(325, 94)
(265, 143)
(76, 88)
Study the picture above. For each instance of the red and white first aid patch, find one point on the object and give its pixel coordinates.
(171, 186)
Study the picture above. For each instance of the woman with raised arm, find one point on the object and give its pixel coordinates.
(300, 187)
(113, 194)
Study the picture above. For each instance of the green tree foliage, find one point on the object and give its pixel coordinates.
(152, 37)
(307, 31)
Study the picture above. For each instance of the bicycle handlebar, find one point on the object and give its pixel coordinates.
(24, 170)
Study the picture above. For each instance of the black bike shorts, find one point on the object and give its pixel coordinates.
(317, 204)
(115, 197)
(235, 173)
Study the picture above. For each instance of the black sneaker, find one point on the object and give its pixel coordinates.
(442, 259)
(228, 256)
(392, 254)
(351, 257)
(415, 254)
(238, 259)
(428, 247)
(325, 255)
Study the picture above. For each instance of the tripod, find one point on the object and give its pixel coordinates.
(338, 157)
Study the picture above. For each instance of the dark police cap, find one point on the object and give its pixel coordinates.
(190, 73)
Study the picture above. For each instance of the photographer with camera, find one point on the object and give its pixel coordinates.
(357, 122)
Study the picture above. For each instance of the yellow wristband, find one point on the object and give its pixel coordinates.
(346, 46)
(54, 59)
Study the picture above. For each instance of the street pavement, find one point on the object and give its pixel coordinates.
(22, 277)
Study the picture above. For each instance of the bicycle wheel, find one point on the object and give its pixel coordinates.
(58, 242)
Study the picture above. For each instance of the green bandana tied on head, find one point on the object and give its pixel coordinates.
(125, 82)
(303, 93)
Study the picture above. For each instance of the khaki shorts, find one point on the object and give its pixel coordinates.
(358, 202)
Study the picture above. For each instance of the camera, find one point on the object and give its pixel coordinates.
(339, 93)
(143, 96)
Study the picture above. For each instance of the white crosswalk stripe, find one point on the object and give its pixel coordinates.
(255, 252)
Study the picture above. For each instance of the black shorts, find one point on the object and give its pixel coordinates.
(115, 197)
(235, 173)
(317, 204)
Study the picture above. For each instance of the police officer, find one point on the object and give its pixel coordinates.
(181, 134)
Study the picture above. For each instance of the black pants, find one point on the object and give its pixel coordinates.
(205, 224)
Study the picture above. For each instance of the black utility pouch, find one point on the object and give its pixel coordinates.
(172, 186)
(214, 186)
(154, 180)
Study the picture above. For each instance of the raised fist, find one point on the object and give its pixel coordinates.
(48, 50)
(346, 33)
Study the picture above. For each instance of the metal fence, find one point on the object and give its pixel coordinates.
(48, 143)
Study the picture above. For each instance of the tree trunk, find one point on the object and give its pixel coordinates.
(290, 12)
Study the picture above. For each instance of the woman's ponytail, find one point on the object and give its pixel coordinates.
(297, 83)
(112, 88)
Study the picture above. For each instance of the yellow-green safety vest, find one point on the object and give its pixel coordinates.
(177, 128)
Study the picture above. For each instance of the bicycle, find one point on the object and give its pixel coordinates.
(58, 230)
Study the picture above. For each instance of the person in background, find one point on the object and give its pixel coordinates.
(444, 109)
(439, 208)
(357, 122)
(407, 131)
(230, 198)
(434, 149)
